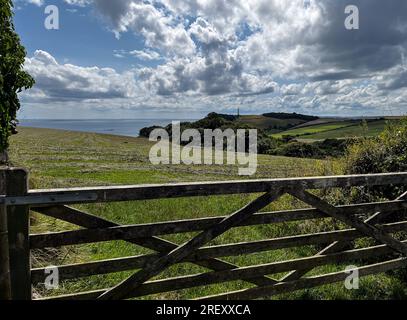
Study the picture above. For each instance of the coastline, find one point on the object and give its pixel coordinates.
(117, 127)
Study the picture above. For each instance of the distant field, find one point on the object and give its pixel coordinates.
(373, 128)
(320, 121)
(262, 122)
(306, 130)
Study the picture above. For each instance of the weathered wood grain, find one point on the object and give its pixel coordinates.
(340, 245)
(53, 203)
(18, 236)
(248, 272)
(145, 192)
(122, 289)
(127, 232)
(368, 229)
(5, 287)
(308, 282)
(209, 278)
(74, 216)
(202, 254)
(87, 220)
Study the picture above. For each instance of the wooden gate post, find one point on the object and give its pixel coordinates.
(18, 236)
(5, 289)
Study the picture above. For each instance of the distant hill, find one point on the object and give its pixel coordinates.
(292, 134)
(270, 122)
(275, 121)
(283, 115)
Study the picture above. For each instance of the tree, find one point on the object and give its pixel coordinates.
(13, 79)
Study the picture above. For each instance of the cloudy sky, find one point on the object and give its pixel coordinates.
(182, 59)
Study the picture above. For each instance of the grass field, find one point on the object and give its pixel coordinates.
(57, 158)
(335, 130)
(373, 129)
(320, 121)
(267, 123)
(315, 129)
(63, 159)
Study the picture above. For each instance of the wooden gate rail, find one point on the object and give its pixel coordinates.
(185, 282)
(194, 189)
(309, 282)
(128, 232)
(339, 245)
(17, 200)
(129, 263)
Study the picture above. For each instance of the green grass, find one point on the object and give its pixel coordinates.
(373, 129)
(268, 123)
(315, 129)
(335, 130)
(66, 159)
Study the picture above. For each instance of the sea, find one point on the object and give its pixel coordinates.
(122, 127)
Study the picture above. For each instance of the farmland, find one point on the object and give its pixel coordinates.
(268, 123)
(315, 129)
(298, 126)
(357, 130)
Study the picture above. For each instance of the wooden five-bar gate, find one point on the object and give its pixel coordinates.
(17, 276)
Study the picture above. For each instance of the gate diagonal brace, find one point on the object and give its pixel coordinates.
(338, 245)
(90, 221)
(367, 229)
(183, 251)
(87, 220)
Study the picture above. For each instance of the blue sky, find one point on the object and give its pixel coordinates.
(177, 59)
(81, 40)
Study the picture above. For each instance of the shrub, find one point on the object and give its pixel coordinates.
(146, 131)
(298, 150)
(384, 153)
(283, 115)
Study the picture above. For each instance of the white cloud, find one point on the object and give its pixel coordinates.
(146, 54)
(68, 82)
(258, 53)
(36, 2)
(80, 3)
(159, 30)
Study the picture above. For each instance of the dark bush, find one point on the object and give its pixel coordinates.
(284, 116)
(298, 150)
(145, 132)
